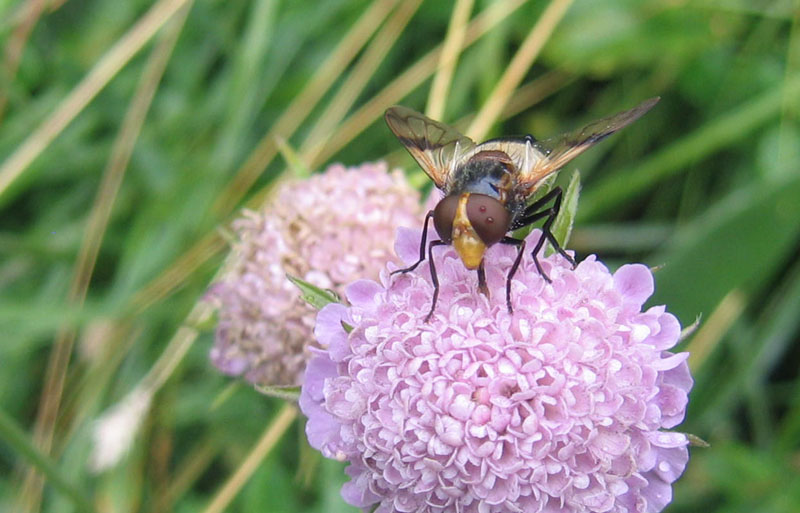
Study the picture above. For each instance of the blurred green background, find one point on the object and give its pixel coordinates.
(131, 131)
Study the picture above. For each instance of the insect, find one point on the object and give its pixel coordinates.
(487, 186)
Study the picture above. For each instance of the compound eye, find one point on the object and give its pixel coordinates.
(489, 218)
(443, 216)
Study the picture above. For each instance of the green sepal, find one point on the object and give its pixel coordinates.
(689, 330)
(287, 393)
(696, 441)
(314, 295)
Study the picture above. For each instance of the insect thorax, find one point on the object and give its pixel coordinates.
(486, 173)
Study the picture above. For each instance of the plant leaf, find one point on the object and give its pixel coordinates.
(562, 227)
(741, 242)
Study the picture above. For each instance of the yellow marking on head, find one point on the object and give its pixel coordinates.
(469, 246)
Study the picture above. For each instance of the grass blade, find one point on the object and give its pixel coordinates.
(447, 60)
(302, 104)
(520, 64)
(19, 441)
(83, 93)
(260, 451)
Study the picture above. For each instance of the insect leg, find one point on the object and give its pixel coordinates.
(534, 212)
(434, 277)
(421, 246)
(520, 244)
(530, 215)
(482, 280)
(555, 209)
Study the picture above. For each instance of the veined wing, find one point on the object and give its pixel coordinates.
(435, 146)
(561, 149)
(523, 151)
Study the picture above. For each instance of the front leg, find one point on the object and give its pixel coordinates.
(421, 246)
(520, 244)
(434, 277)
(533, 214)
(482, 287)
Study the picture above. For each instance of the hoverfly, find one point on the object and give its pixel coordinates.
(487, 186)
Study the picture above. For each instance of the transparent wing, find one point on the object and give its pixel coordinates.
(559, 150)
(435, 146)
(523, 151)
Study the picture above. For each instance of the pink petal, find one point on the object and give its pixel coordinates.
(635, 283)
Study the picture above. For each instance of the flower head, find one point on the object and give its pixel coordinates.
(560, 406)
(114, 432)
(328, 230)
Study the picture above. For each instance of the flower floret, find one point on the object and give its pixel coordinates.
(560, 406)
(328, 230)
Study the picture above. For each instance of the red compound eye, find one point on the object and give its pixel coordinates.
(443, 216)
(488, 217)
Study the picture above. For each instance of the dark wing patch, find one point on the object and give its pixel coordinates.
(437, 147)
(561, 149)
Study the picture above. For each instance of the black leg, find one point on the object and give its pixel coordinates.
(482, 280)
(530, 215)
(520, 244)
(536, 208)
(555, 209)
(434, 277)
(421, 246)
(536, 249)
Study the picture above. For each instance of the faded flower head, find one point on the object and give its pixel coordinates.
(558, 407)
(328, 230)
(113, 433)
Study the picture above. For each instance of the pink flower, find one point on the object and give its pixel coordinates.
(561, 406)
(329, 230)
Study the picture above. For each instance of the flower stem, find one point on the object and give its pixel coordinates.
(265, 444)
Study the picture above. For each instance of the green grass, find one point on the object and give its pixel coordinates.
(111, 204)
